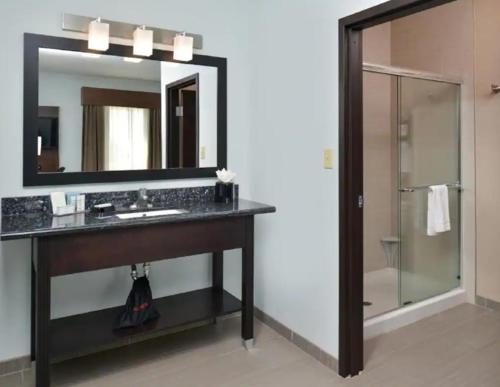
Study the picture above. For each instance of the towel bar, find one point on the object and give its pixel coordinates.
(413, 189)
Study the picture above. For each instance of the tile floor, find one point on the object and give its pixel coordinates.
(459, 348)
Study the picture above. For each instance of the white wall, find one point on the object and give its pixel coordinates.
(207, 136)
(294, 116)
(64, 91)
(224, 26)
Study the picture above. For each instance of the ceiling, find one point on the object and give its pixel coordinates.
(74, 62)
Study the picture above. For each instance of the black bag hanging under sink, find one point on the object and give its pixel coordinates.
(139, 308)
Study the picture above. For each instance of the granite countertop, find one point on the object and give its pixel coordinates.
(31, 225)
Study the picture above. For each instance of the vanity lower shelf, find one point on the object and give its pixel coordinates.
(85, 332)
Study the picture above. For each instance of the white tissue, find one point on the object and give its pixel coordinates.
(58, 200)
(226, 176)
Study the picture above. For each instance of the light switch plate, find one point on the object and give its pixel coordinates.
(328, 158)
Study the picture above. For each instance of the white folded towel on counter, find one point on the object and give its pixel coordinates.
(438, 210)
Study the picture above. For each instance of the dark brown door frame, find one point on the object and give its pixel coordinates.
(351, 360)
(190, 80)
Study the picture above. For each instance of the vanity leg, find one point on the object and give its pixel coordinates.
(247, 285)
(42, 320)
(218, 271)
(217, 282)
(33, 297)
(33, 310)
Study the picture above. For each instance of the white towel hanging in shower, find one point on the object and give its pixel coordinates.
(438, 210)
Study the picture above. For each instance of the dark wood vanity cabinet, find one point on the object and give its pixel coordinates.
(85, 251)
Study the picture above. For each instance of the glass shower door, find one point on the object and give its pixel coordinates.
(429, 154)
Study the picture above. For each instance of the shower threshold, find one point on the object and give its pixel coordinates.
(412, 313)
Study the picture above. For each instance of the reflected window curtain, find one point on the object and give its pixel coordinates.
(126, 138)
(93, 138)
(154, 139)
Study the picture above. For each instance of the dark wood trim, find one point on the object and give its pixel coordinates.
(218, 270)
(388, 11)
(247, 284)
(31, 177)
(351, 172)
(42, 315)
(48, 111)
(113, 97)
(33, 297)
(351, 218)
(184, 82)
(96, 250)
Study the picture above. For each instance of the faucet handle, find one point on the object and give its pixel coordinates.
(143, 193)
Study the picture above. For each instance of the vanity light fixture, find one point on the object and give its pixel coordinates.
(98, 35)
(99, 32)
(183, 47)
(143, 41)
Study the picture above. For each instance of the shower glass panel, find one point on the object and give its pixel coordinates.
(411, 140)
(429, 154)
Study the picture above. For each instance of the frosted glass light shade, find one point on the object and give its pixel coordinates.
(98, 35)
(143, 42)
(183, 47)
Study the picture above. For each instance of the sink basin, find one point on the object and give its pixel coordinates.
(148, 214)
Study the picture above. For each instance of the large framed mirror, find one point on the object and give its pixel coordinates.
(96, 117)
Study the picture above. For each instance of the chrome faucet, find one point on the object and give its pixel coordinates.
(142, 199)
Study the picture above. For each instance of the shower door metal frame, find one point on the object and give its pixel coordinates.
(351, 359)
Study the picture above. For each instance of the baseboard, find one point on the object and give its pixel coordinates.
(15, 365)
(300, 341)
(487, 303)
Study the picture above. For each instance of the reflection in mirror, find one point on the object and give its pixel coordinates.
(109, 113)
(182, 125)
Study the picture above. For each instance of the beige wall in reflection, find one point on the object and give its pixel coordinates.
(379, 149)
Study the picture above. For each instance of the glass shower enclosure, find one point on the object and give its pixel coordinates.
(424, 140)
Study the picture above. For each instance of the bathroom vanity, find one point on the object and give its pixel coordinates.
(113, 117)
(85, 242)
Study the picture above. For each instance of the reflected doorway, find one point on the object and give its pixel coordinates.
(182, 122)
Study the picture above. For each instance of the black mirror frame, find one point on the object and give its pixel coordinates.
(31, 177)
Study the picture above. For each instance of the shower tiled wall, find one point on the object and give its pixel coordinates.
(380, 149)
